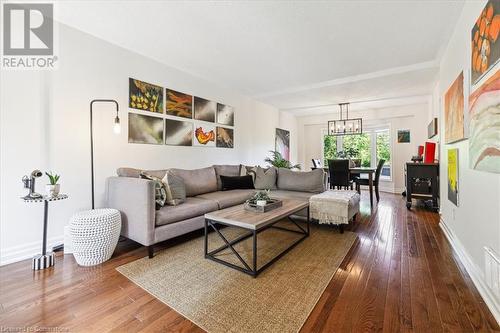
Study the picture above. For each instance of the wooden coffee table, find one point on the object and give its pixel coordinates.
(254, 223)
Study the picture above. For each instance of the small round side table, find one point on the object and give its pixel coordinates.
(46, 259)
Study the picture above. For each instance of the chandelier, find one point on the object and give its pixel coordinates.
(345, 126)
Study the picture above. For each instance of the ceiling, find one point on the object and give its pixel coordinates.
(294, 55)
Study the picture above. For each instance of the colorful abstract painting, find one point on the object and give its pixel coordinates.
(454, 111)
(453, 175)
(282, 143)
(403, 136)
(225, 114)
(204, 109)
(484, 113)
(145, 129)
(179, 104)
(485, 45)
(178, 132)
(225, 137)
(204, 135)
(145, 96)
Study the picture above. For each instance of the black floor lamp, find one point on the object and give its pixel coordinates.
(116, 129)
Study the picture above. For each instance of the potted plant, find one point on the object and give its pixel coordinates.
(278, 161)
(260, 198)
(53, 188)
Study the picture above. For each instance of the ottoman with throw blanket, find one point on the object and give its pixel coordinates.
(334, 207)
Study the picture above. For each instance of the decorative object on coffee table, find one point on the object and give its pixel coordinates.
(334, 207)
(45, 259)
(95, 234)
(261, 202)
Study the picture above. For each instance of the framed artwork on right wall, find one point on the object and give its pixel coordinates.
(485, 46)
(484, 112)
(454, 104)
(453, 175)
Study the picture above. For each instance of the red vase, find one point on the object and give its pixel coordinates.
(430, 152)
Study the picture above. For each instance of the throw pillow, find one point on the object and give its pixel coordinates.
(175, 188)
(235, 183)
(243, 170)
(225, 170)
(160, 193)
(264, 179)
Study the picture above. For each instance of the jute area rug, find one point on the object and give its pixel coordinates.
(220, 299)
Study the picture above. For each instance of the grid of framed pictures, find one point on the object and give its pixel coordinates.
(177, 118)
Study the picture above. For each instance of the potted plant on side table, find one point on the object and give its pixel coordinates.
(53, 188)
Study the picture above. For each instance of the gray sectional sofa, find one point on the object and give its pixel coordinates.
(134, 197)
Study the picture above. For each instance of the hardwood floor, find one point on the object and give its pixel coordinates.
(401, 275)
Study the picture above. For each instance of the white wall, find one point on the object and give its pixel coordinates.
(475, 223)
(412, 117)
(45, 124)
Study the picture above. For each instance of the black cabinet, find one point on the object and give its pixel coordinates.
(422, 182)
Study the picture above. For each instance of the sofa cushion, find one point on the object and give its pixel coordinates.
(136, 173)
(228, 198)
(197, 181)
(226, 170)
(192, 207)
(311, 181)
(264, 179)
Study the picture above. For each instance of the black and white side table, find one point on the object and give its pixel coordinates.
(46, 259)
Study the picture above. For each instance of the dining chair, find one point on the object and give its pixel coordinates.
(365, 182)
(340, 176)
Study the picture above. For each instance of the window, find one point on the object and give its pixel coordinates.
(358, 147)
(384, 151)
(369, 147)
(329, 148)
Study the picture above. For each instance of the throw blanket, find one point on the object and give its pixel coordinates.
(334, 207)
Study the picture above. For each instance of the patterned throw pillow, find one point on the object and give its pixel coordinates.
(160, 192)
(175, 188)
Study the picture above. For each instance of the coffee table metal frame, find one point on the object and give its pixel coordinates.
(251, 269)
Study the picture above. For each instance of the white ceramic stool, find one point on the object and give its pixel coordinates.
(94, 234)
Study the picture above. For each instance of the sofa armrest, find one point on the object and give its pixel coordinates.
(135, 199)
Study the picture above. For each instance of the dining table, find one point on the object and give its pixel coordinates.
(362, 171)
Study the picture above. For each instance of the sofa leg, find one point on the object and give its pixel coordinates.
(341, 228)
(150, 251)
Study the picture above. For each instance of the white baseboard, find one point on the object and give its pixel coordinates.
(475, 272)
(391, 190)
(26, 251)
